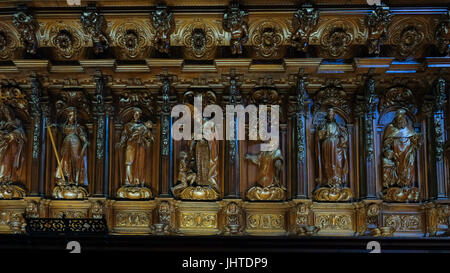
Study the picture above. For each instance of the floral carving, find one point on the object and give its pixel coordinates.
(199, 40)
(266, 40)
(67, 43)
(336, 41)
(130, 39)
(398, 96)
(8, 42)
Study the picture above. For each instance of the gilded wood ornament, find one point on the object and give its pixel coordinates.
(442, 35)
(267, 38)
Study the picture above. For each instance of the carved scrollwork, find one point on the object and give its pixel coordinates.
(235, 21)
(378, 21)
(27, 27)
(403, 222)
(332, 95)
(409, 37)
(164, 24)
(398, 96)
(95, 25)
(265, 95)
(266, 39)
(234, 219)
(304, 22)
(8, 41)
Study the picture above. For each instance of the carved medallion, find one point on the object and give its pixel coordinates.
(266, 39)
(442, 35)
(66, 41)
(409, 36)
(129, 37)
(199, 40)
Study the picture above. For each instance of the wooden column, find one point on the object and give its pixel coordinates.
(231, 183)
(38, 146)
(367, 181)
(435, 133)
(166, 166)
(300, 187)
(102, 102)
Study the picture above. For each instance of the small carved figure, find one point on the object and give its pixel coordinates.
(164, 24)
(235, 22)
(233, 219)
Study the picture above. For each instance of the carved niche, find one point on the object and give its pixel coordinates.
(378, 22)
(198, 158)
(94, 25)
(13, 109)
(27, 27)
(71, 152)
(304, 22)
(135, 145)
(164, 24)
(267, 38)
(270, 164)
(235, 21)
(331, 109)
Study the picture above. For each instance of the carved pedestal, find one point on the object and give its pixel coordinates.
(266, 218)
(11, 216)
(132, 217)
(406, 219)
(69, 208)
(198, 218)
(334, 218)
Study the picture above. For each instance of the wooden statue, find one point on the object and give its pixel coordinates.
(268, 185)
(333, 163)
(137, 137)
(12, 140)
(71, 173)
(400, 144)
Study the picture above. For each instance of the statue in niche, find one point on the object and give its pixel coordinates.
(137, 138)
(332, 141)
(12, 141)
(198, 168)
(400, 143)
(71, 173)
(268, 185)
